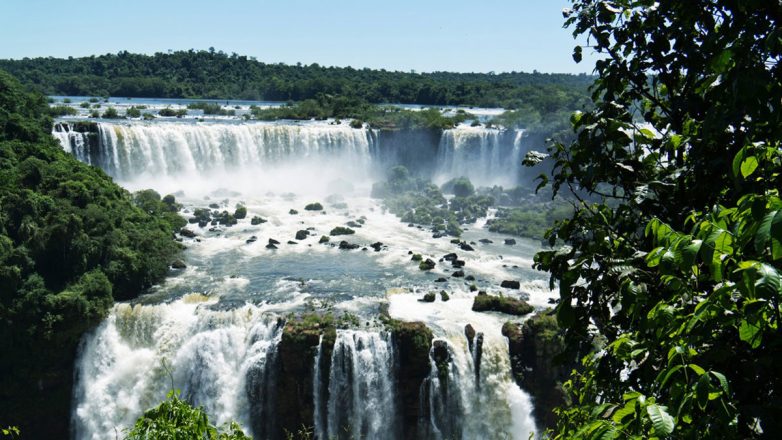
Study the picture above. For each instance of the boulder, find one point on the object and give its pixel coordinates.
(178, 264)
(293, 212)
(271, 246)
(427, 264)
(469, 333)
(376, 246)
(485, 241)
(450, 257)
(341, 230)
(440, 280)
(273, 241)
(314, 207)
(324, 239)
(444, 296)
(510, 241)
(503, 304)
(458, 274)
(510, 284)
(301, 235)
(257, 220)
(252, 239)
(458, 263)
(187, 233)
(344, 245)
(469, 278)
(429, 297)
(466, 247)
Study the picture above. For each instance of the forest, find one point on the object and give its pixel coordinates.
(217, 75)
(71, 242)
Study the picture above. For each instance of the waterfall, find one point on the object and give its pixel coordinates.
(74, 142)
(361, 386)
(464, 404)
(486, 156)
(138, 149)
(218, 359)
(317, 395)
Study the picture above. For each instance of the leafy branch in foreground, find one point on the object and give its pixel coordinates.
(669, 278)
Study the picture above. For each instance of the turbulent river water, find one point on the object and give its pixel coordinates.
(212, 329)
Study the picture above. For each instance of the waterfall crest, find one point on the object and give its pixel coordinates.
(486, 156)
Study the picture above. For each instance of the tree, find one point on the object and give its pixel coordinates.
(669, 279)
(175, 419)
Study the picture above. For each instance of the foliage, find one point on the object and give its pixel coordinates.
(343, 107)
(110, 113)
(211, 108)
(532, 219)
(458, 186)
(71, 241)
(170, 112)
(133, 112)
(504, 304)
(214, 74)
(62, 110)
(175, 419)
(669, 278)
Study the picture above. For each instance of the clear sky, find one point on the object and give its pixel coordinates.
(421, 35)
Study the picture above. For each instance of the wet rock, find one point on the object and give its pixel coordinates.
(252, 239)
(341, 230)
(444, 296)
(458, 274)
(458, 263)
(376, 246)
(292, 242)
(536, 349)
(273, 241)
(293, 212)
(442, 358)
(510, 241)
(511, 306)
(202, 223)
(214, 206)
(469, 278)
(353, 224)
(301, 235)
(314, 207)
(469, 332)
(416, 257)
(440, 280)
(427, 264)
(429, 297)
(271, 246)
(466, 247)
(324, 239)
(257, 220)
(187, 233)
(450, 257)
(413, 340)
(178, 264)
(485, 241)
(473, 288)
(510, 284)
(344, 245)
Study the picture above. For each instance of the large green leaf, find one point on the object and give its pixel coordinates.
(748, 166)
(776, 236)
(661, 421)
(763, 235)
(768, 283)
(749, 332)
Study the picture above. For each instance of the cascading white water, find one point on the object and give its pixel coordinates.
(136, 150)
(486, 156)
(73, 142)
(361, 386)
(319, 424)
(218, 359)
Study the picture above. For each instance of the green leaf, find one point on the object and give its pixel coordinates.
(750, 333)
(748, 166)
(737, 160)
(776, 236)
(661, 421)
(723, 381)
(768, 284)
(763, 234)
(697, 369)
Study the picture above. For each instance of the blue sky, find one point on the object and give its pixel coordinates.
(422, 35)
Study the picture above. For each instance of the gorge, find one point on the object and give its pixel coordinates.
(299, 336)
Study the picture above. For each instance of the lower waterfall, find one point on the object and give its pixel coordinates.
(361, 387)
